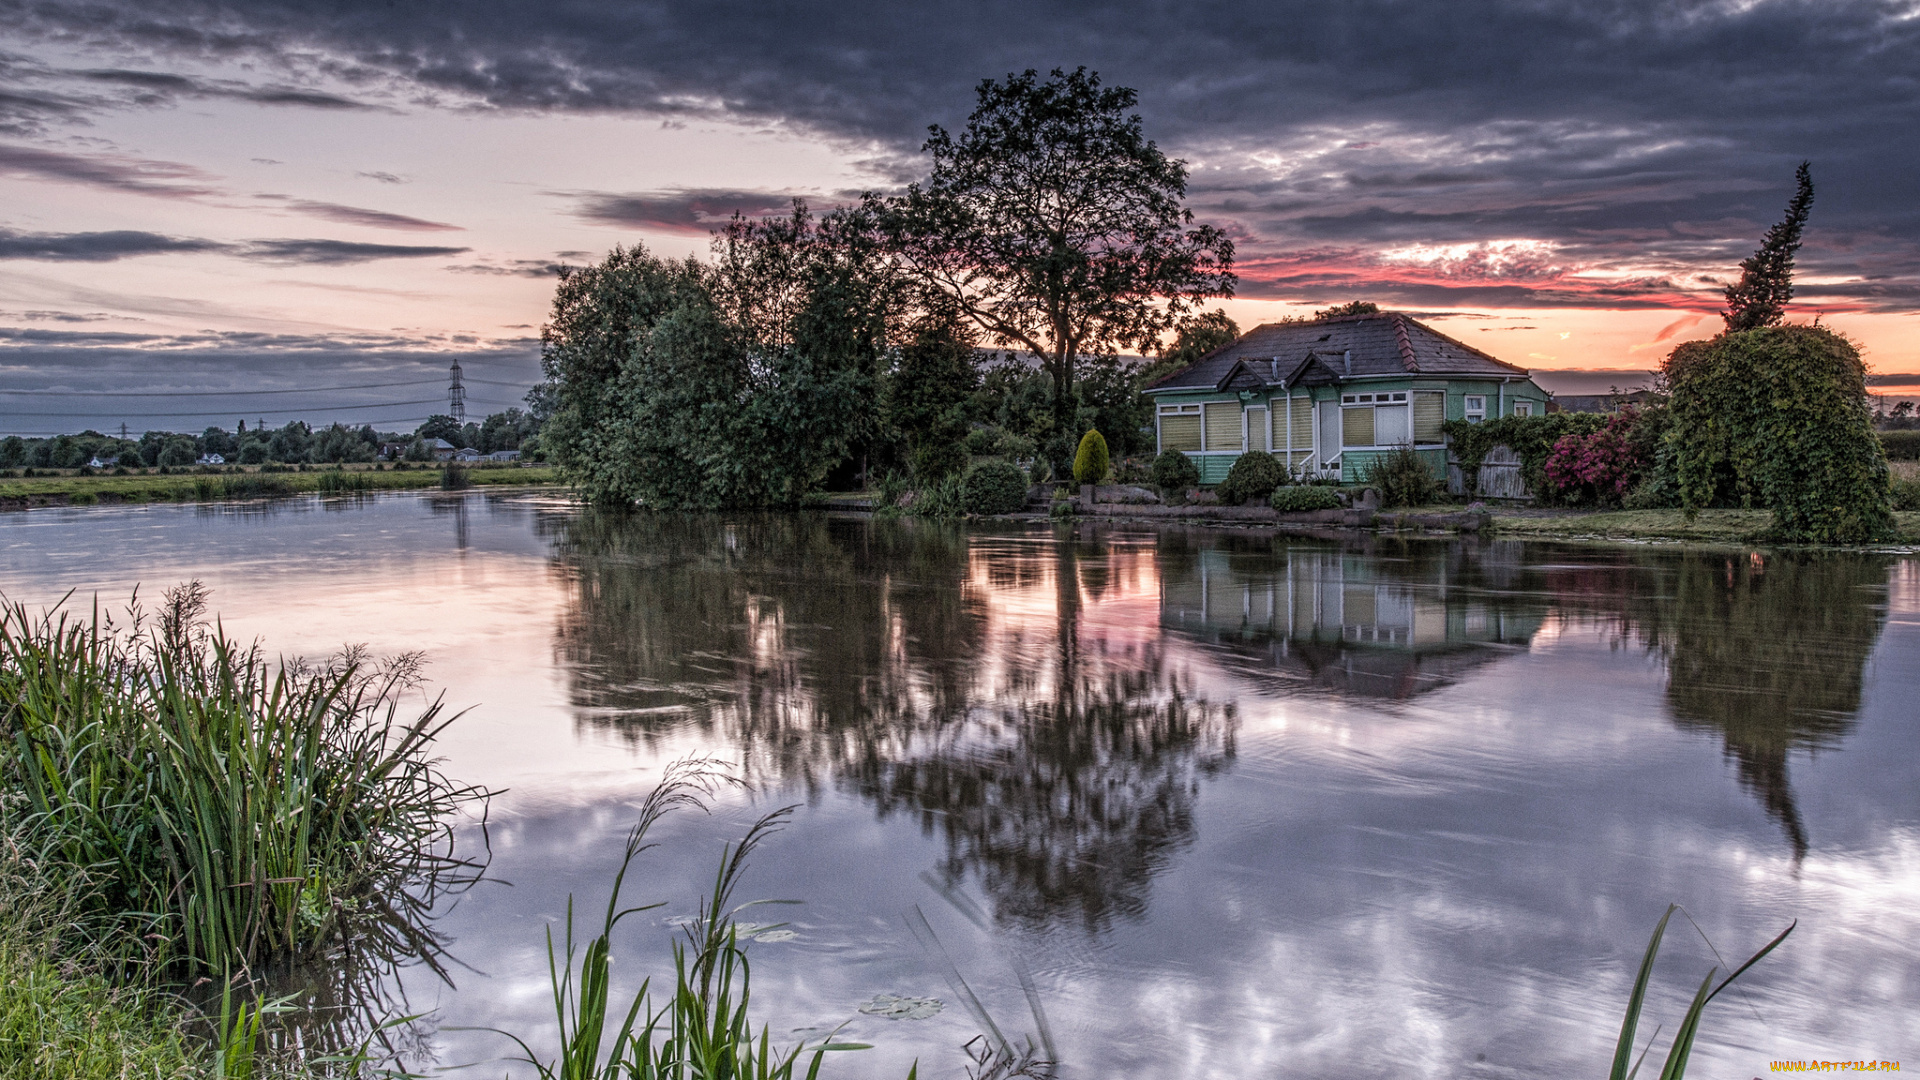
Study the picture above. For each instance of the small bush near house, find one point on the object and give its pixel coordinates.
(1090, 461)
(1295, 498)
(993, 487)
(1901, 445)
(454, 477)
(1252, 478)
(1173, 473)
(1402, 479)
(1596, 468)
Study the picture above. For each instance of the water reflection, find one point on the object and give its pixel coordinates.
(1768, 652)
(1351, 617)
(1003, 687)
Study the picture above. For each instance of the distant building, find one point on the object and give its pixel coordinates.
(107, 462)
(440, 449)
(465, 454)
(504, 455)
(392, 451)
(211, 459)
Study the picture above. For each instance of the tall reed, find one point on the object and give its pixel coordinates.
(703, 1031)
(233, 809)
(1625, 1066)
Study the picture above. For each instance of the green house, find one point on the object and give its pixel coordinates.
(1327, 396)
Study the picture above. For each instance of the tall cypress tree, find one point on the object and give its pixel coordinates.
(1760, 297)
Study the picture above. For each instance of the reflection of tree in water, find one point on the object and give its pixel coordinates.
(1769, 653)
(924, 668)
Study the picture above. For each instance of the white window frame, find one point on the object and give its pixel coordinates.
(1522, 407)
(1473, 407)
(1368, 401)
(1178, 410)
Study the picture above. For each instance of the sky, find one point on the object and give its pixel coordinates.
(310, 209)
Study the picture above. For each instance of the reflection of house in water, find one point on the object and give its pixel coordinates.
(1346, 621)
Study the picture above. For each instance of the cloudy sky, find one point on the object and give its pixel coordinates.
(278, 196)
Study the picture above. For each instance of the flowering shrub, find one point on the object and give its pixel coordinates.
(1597, 468)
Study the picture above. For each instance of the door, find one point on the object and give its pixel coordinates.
(1329, 433)
(1258, 429)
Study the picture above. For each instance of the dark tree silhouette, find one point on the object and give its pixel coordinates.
(1057, 226)
(1760, 297)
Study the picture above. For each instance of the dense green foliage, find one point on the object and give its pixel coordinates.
(1173, 474)
(1198, 335)
(993, 487)
(1759, 298)
(1090, 461)
(1532, 437)
(1295, 498)
(1599, 468)
(235, 811)
(1402, 478)
(925, 397)
(1777, 418)
(1056, 226)
(1252, 478)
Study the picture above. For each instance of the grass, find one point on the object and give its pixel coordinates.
(231, 810)
(1730, 526)
(1625, 1065)
(79, 490)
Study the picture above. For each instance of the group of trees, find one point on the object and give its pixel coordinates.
(1050, 228)
(291, 443)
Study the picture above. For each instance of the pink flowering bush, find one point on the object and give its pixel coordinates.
(1597, 469)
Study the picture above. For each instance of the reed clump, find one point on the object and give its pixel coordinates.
(223, 809)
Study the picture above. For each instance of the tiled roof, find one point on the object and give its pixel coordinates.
(1385, 343)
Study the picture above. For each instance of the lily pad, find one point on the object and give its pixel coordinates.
(895, 1007)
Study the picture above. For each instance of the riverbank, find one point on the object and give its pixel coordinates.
(1707, 526)
(73, 489)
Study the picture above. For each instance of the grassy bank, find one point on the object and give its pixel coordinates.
(74, 489)
(1708, 526)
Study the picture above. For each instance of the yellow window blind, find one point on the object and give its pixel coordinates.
(1429, 411)
(1356, 426)
(1180, 431)
(1223, 425)
(1302, 423)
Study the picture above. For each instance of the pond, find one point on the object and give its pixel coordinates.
(1230, 805)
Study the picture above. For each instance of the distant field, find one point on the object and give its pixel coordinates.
(1727, 526)
(184, 486)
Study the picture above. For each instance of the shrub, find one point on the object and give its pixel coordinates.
(454, 477)
(937, 458)
(1252, 478)
(1531, 437)
(1598, 468)
(993, 487)
(1906, 495)
(1901, 445)
(1173, 473)
(1298, 497)
(1090, 461)
(982, 441)
(1402, 478)
(1777, 417)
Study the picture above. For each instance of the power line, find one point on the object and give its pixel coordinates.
(224, 412)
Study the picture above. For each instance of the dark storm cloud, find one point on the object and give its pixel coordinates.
(693, 212)
(95, 246)
(1651, 137)
(336, 252)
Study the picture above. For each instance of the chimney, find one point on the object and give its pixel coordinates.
(1349, 357)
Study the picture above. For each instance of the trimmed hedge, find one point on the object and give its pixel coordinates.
(993, 487)
(1901, 445)
(1298, 497)
(1091, 461)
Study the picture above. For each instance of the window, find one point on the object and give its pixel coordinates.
(1257, 429)
(1378, 419)
(1523, 408)
(1429, 412)
(1223, 426)
(1476, 407)
(1356, 427)
(1180, 427)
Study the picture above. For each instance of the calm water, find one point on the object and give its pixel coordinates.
(1242, 806)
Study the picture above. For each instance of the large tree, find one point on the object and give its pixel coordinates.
(1057, 227)
(1760, 297)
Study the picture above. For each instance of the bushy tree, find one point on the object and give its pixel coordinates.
(1174, 474)
(993, 487)
(1198, 335)
(13, 451)
(1056, 226)
(176, 451)
(1760, 297)
(925, 397)
(215, 440)
(1777, 417)
(338, 443)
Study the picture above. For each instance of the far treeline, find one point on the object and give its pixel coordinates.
(986, 313)
(289, 444)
